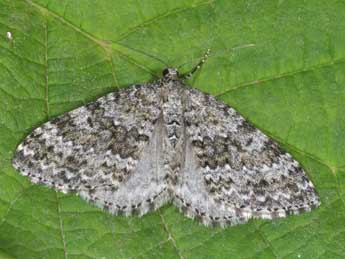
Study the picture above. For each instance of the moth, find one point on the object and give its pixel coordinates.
(138, 148)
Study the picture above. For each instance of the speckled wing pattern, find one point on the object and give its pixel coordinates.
(136, 149)
(105, 151)
(233, 171)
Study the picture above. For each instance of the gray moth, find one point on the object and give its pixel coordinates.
(136, 149)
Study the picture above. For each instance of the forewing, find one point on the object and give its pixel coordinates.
(100, 151)
(233, 171)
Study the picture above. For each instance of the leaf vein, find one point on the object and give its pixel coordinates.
(61, 225)
(282, 75)
(103, 44)
(161, 16)
(12, 203)
(170, 236)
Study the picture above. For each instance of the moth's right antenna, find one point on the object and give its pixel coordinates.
(198, 66)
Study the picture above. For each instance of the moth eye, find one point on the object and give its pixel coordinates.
(165, 71)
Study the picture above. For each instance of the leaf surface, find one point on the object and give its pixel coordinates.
(279, 63)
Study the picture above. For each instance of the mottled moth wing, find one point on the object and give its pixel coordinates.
(140, 147)
(232, 171)
(96, 149)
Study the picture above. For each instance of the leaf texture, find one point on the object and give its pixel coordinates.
(279, 63)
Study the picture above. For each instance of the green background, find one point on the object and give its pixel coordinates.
(279, 63)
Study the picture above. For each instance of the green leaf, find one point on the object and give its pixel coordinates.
(279, 63)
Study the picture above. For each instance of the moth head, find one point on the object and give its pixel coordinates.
(170, 74)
